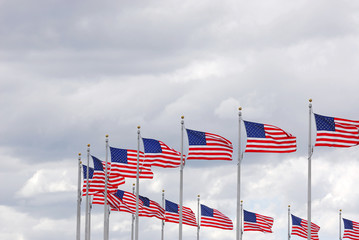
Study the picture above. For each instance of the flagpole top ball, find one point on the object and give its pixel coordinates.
(88, 145)
(133, 184)
(240, 108)
(138, 127)
(107, 135)
(340, 210)
(241, 201)
(79, 154)
(182, 117)
(198, 195)
(163, 190)
(288, 205)
(310, 100)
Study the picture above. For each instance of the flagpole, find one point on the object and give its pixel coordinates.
(288, 222)
(163, 221)
(310, 152)
(198, 216)
(239, 218)
(137, 181)
(340, 225)
(87, 219)
(79, 193)
(133, 216)
(89, 228)
(106, 213)
(181, 181)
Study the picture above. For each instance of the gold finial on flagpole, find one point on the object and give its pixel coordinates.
(198, 195)
(138, 127)
(106, 135)
(88, 145)
(241, 201)
(79, 154)
(340, 210)
(240, 108)
(163, 190)
(289, 206)
(182, 117)
(310, 100)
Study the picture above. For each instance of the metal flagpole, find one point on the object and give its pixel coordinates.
(163, 221)
(87, 219)
(106, 209)
(198, 216)
(340, 224)
(79, 193)
(133, 216)
(137, 181)
(240, 220)
(288, 222)
(310, 152)
(239, 212)
(89, 229)
(181, 181)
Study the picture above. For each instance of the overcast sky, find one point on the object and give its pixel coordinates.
(73, 71)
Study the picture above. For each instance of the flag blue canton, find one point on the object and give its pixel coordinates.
(97, 164)
(249, 216)
(171, 207)
(196, 137)
(348, 224)
(151, 146)
(118, 155)
(119, 194)
(206, 211)
(296, 221)
(255, 130)
(324, 123)
(145, 200)
(85, 172)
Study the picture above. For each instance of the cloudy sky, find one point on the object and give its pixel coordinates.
(73, 71)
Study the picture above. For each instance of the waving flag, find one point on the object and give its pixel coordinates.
(160, 155)
(124, 163)
(128, 200)
(97, 182)
(208, 146)
(84, 167)
(336, 132)
(213, 218)
(151, 209)
(172, 214)
(300, 228)
(257, 222)
(268, 138)
(351, 229)
(115, 203)
(114, 180)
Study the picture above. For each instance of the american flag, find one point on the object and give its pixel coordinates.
(257, 222)
(115, 203)
(351, 229)
(114, 180)
(208, 146)
(128, 200)
(300, 228)
(211, 217)
(124, 163)
(268, 138)
(97, 182)
(172, 214)
(160, 155)
(84, 168)
(151, 209)
(336, 132)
